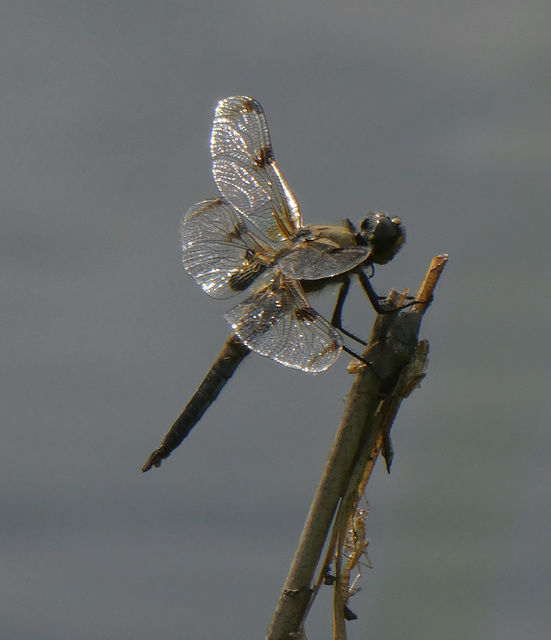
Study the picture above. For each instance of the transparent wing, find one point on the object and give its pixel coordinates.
(316, 260)
(276, 321)
(219, 251)
(245, 171)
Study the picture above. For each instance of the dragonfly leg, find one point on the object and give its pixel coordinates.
(369, 364)
(370, 293)
(336, 318)
(362, 360)
(375, 299)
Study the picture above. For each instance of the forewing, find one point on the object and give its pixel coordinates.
(277, 322)
(316, 260)
(218, 250)
(245, 171)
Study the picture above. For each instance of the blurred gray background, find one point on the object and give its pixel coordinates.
(437, 112)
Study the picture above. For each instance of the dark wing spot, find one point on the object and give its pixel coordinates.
(264, 157)
(237, 232)
(245, 277)
(248, 105)
(305, 315)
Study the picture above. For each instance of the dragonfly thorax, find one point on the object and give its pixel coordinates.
(338, 236)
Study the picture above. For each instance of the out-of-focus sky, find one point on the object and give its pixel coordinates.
(436, 112)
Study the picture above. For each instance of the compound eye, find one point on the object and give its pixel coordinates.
(367, 224)
(396, 222)
(384, 231)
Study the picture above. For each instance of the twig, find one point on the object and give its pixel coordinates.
(357, 444)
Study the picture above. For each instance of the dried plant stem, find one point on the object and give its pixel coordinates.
(371, 406)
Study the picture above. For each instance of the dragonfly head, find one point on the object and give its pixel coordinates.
(383, 234)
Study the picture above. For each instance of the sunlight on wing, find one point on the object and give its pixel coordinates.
(245, 171)
(223, 256)
(277, 322)
(316, 260)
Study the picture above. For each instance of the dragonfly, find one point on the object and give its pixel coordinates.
(251, 240)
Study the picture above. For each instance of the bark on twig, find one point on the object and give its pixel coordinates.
(370, 409)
